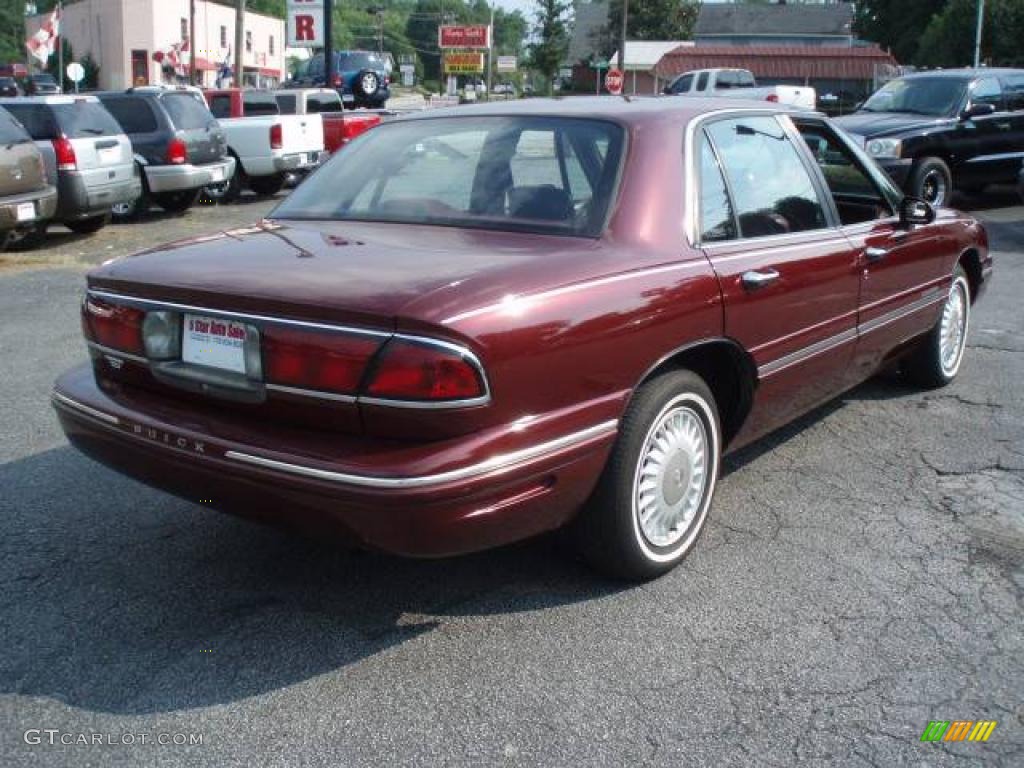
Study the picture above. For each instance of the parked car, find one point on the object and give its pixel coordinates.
(87, 155)
(27, 201)
(939, 131)
(361, 77)
(266, 144)
(9, 87)
(179, 147)
(739, 84)
(339, 128)
(474, 327)
(41, 84)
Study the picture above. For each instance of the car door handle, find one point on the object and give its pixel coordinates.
(1003, 126)
(758, 278)
(873, 253)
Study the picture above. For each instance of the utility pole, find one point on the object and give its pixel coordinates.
(239, 42)
(977, 34)
(192, 42)
(60, 46)
(621, 66)
(490, 54)
(328, 44)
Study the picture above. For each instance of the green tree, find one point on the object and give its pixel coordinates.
(652, 20)
(551, 39)
(948, 40)
(896, 24)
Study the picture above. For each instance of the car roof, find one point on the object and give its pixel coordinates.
(965, 73)
(619, 109)
(53, 98)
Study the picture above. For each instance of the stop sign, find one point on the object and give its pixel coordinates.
(613, 81)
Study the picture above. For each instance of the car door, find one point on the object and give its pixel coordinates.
(1013, 92)
(789, 277)
(994, 159)
(903, 274)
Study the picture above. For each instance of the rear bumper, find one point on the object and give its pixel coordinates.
(280, 163)
(44, 201)
(80, 200)
(510, 496)
(178, 178)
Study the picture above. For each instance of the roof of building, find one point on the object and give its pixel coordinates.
(799, 19)
(644, 54)
(782, 62)
(588, 25)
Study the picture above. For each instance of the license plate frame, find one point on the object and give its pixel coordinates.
(109, 155)
(217, 343)
(217, 175)
(25, 212)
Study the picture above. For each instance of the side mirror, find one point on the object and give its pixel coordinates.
(916, 211)
(977, 110)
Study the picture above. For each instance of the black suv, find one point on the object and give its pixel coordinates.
(948, 129)
(178, 143)
(360, 77)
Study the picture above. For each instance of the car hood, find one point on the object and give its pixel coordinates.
(370, 274)
(872, 125)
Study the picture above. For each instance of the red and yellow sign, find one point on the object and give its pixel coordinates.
(474, 36)
(463, 62)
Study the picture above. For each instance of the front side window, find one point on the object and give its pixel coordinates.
(682, 84)
(531, 174)
(772, 190)
(987, 91)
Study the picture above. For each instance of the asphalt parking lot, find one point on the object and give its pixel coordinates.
(862, 574)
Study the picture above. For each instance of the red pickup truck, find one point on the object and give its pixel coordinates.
(339, 127)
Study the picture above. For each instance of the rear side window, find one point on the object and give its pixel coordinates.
(1014, 92)
(702, 81)
(10, 131)
(83, 119)
(133, 114)
(37, 119)
(186, 112)
(716, 218)
(285, 102)
(255, 104)
(682, 85)
(323, 102)
(772, 190)
(220, 105)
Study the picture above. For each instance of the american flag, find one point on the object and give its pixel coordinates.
(44, 42)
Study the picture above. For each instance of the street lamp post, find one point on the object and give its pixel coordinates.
(977, 33)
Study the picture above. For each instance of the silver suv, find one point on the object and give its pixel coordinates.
(86, 153)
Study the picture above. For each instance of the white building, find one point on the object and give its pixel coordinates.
(129, 40)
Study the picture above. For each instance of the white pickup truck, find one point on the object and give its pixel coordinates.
(267, 145)
(739, 84)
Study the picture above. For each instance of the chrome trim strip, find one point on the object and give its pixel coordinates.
(117, 353)
(813, 350)
(498, 463)
(310, 393)
(790, 241)
(67, 402)
(900, 313)
(997, 156)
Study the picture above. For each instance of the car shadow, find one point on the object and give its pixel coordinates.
(118, 598)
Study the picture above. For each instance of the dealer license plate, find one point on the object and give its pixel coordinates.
(26, 211)
(213, 342)
(216, 174)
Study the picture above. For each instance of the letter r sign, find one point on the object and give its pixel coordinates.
(305, 23)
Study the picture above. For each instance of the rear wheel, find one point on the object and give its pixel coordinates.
(226, 191)
(267, 185)
(176, 202)
(133, 209)
(25, 239)
(931, 181)
(652, 500)
(936, 362)
(88, 226)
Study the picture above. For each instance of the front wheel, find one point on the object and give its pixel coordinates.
(936, 361)
(931, 181)
(652, 500)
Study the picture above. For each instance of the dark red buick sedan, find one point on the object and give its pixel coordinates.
(478, 324)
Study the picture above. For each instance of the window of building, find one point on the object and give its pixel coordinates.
(248, 41)
(223, 37)
(271, 45)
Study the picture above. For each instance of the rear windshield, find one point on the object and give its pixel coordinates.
(255, 103)
(133, 113)
(37, 119)
(82, 119)
(323, 102)
(360, 60)
(286, 103)
(530, 174)
(186, 111)
(10, 131)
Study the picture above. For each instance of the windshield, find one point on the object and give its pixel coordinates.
(531, 174)
(934, 96)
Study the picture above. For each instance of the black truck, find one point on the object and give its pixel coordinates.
(948, 129)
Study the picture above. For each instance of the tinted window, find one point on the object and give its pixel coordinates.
(83, 119)
(286, 102)
(771, 188)
(716, 218)
(323, 102)
(987, 91)
(10, 131)
(682, 84)
(186, 112)
(220, 105)
(551, 175)
(133, 114)
(936, 96)
(37, 119)
(702, 81)
(1014, 92)
(350, 61)
(256, 103)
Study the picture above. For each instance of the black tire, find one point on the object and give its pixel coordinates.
(227, 191)
(88, 226)
(609, 530)
(134, 209)
(931, 181)
(25, 239)
(176, 202)
(366, 84)
(928, 366)
(267, 185)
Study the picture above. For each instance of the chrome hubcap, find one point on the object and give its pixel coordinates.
(933, 190)
(671, 476)
(953, 328)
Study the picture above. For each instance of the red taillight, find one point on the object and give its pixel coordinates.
(113, 325)
(411, 371)
(276, 137)
(65, 152)
(177, 152)
(337, 81)
(772, 97)
(332, 362)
